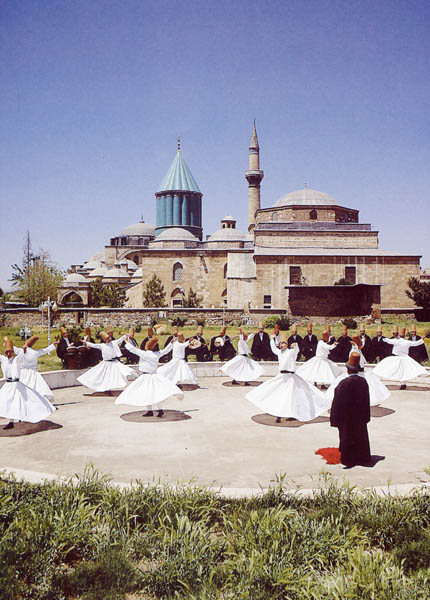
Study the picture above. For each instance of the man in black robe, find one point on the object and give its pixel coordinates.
(309, 344)
(260, 347)
(147, 338)
(380, 349)
(350, 413)
(418, 353)
(226, 351)
(92, 355)
(63, 344)
(366, 345)
(202, 352)
(131, 358)
(343, 347)
(295, 338)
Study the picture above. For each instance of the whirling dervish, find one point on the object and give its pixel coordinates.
(241, 368)
(320, 369)
(288, 395)
(18, 401)
(400, 366)
(109, 374)
(177, 369)
(150, 388)
(378, 392)
(29, 374)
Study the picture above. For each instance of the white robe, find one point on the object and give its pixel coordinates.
(29, 374)
(287, 394)
(150, 388)
(109, 374)
(241, 367)
(177, 369)
(378, 392)
(400, 366)
(17, 400)
(320, 368)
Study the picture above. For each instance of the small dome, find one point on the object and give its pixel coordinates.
(228, 218)
(91, 264)
(100, 272)
(74, 278)
(140, 228)
(99, 256)
(305, 197)
(176, 234)
(129, 264)
(226, 235)
(116, 272)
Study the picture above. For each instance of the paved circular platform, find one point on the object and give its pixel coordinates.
(221, 445)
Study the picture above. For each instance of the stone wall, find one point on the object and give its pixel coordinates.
(320, 239)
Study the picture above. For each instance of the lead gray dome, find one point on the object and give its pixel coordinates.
(306, 197)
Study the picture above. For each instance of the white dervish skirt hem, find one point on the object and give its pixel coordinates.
(320, 370)
(378, 392)
(242, 368)
(107, 375)
(19, 402)
(33, 379)
(399, 368)
(288, 395)
(177, 370)
(149, 389)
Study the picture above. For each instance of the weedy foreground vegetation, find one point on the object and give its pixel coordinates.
(87, 539)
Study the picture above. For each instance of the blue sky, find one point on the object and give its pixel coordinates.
(94, 95)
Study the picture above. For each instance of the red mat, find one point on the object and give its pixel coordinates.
(330, 455)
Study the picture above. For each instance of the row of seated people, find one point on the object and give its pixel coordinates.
(374, 349)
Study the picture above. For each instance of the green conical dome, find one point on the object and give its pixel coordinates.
(179, 178)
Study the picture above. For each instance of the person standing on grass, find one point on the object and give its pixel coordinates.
(350, 413)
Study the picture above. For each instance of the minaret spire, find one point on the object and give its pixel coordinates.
(254, 175)
(179, 143)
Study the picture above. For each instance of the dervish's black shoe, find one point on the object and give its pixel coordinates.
(234, 382)
(148, 413)
(278, 419)
(10, 425)
(323, 387)
(160, 413)
(403, 386)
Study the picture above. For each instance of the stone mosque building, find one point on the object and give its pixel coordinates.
(292, 257)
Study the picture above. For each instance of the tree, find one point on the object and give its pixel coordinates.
(154, 294)
(192, 300)
(106, 294)
(37, 278)
(419, 292)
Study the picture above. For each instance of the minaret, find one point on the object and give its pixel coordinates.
(254, 175)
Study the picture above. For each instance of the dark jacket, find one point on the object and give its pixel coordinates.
(309, 346)
(260, 348)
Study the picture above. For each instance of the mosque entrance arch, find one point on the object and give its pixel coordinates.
(72, 299)
(177, 298)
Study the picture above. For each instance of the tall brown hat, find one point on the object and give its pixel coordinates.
(150, 332)
(309, 327)
(87, 330)
(353, 363)
(413, 328)
(109, 329)
(245, 335)
(181, 337)
(325, 336)
(357, 340)
(260, 325)
(63, 330)
(131, 332)
(362, 328)
(344, 329)
(175, 330)
(31, 340)
(395, 329)
(150, 344)
(200, 330)
(283, 339)
(403, 332)
(379, 330)
(104, 336)
(328, 327)
(8, 345)
(294, 328)
(276, 328)
(223, 330)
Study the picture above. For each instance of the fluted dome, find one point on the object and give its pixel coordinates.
(74, 278)
(92, 264)
(306, 197)
(140, 228)
(176, 234)
(226, 234)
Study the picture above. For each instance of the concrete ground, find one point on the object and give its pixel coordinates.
(219, 446)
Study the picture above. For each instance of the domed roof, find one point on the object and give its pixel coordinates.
(74, 278)
(175, 234)
(306, 197)
(91, 264)
(227, 234)
(140, 228)
(228, 218)
(99, 272)
(97, 256)
(178, 177)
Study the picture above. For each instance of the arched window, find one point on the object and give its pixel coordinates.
(313, 214)
(136, 259)
(275, 216)
(177, 272)
(177, 297)
(225, 270)
(224, 298)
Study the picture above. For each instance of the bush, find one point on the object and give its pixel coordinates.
(138, 327)
(283, 322)
(178, 322)
(350, 323)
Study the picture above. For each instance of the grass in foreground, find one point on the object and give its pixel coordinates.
(89, 540)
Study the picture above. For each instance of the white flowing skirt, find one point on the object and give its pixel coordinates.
(107, 375)
(378, 392)
(242, 368)
(34, 380)
(148, 389)
(320, 370)
(288, 395)
(177, 370)
(399, 368)
(18, 401)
